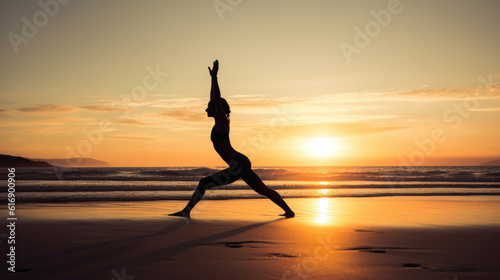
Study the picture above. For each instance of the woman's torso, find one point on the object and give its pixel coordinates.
(221, 143)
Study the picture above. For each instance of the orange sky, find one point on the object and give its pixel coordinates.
(309, 83)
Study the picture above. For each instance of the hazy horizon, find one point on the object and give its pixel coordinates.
(72, 163)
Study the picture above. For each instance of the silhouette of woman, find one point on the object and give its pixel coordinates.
(239, 164)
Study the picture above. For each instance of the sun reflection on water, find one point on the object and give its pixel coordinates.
(322, 210)
(323, 192)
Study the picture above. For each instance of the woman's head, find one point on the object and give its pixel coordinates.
(211, 108)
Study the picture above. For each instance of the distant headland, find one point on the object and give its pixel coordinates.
(15, 161)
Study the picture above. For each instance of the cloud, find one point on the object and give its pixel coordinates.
(187, 115)
(62, 108)
(490, 109)
(358, 118)
(484, 92)
(263, 102)
(51, 122)
(339, 128)
(52, 129)
(131, 137)
(132, 122)
(246, 95)
(6, 112)
(47, 108)
(418, 95)
(104, 108)
(174, 103)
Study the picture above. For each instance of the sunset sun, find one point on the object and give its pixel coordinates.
(321, 147)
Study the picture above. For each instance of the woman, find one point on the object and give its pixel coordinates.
(239, 164)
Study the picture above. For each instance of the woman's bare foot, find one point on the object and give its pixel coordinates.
(288, 214)
(181, 214)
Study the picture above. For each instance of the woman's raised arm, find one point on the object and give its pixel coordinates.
(215, 95)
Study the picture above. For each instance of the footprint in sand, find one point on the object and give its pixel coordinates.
(281, 255)
(441, 269)
(239, 244)
(411, 265)
(377, 250)
(449, 269)
(368, 230)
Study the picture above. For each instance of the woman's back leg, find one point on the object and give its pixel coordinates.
(257, 185)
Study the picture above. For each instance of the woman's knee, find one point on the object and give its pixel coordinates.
(262, 189)
(201, 184)
(206, 183)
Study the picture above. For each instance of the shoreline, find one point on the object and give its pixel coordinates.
(216, 195)
(339, 238)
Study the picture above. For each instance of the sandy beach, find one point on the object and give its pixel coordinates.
(330, 238)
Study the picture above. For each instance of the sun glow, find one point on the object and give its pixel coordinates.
(322, 147)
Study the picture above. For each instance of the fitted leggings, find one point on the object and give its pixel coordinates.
(239, 168)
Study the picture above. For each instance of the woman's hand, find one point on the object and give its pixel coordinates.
(215, 69)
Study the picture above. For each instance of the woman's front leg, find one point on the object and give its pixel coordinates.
(223, 177)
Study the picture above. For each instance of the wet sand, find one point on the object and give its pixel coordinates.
(330, 238)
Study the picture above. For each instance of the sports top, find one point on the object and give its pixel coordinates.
(217, 136)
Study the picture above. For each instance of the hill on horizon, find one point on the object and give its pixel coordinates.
(491, 163)
(13, 161)
(75, 162)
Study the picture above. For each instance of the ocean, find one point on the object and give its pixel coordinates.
(178, 183)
